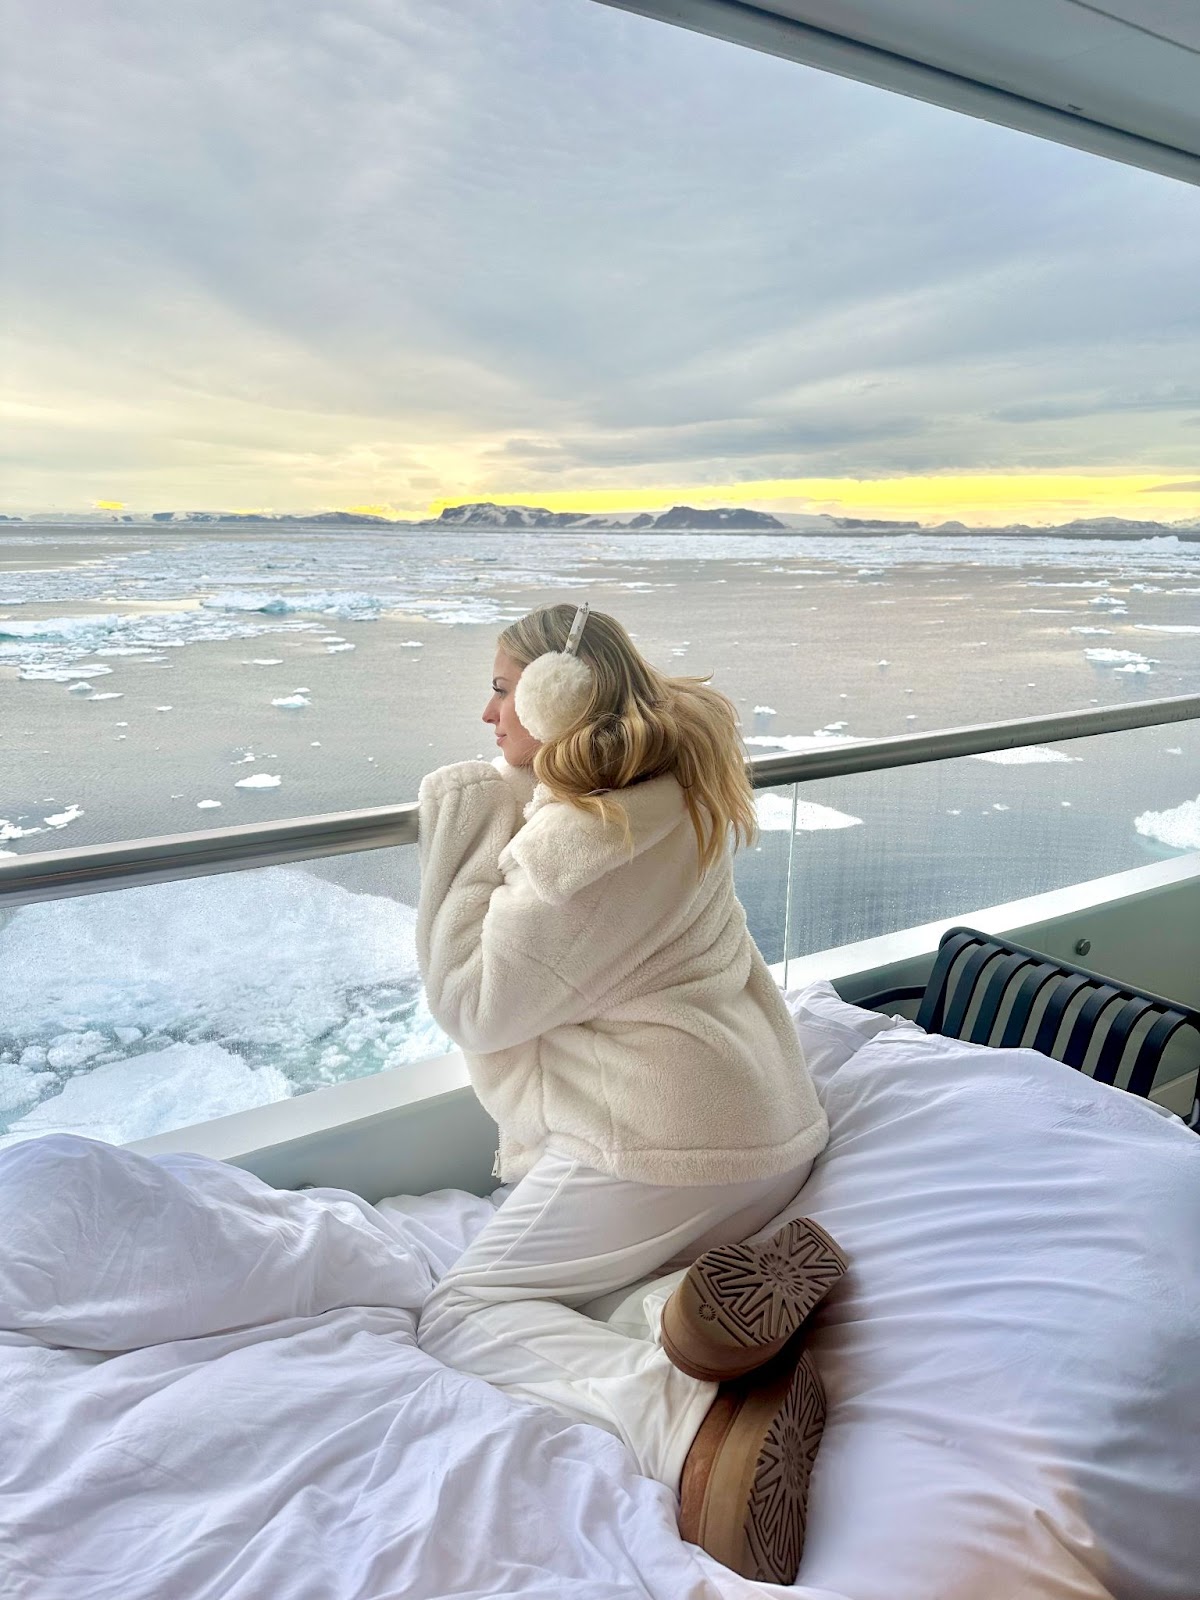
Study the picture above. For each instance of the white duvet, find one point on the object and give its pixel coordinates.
(209, 1389)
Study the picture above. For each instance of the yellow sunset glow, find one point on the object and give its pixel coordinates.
(109, 505)
(980, 499)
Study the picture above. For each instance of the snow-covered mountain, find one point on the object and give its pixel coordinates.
(486, 514)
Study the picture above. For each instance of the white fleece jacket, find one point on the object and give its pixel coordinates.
(611, 1008)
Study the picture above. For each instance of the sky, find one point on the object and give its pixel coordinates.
(274, 255)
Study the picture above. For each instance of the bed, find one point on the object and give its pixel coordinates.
(210, 1390)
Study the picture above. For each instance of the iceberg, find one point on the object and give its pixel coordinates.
(258, 780)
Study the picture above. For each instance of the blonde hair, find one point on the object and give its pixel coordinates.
(640, 724)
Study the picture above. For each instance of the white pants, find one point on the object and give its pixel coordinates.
(559, 1298)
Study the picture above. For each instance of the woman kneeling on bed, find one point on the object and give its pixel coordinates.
(580, 939)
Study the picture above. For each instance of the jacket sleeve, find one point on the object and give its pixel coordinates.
(483, 983)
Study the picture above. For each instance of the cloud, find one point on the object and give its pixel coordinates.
(1191, 486)
(334, 255)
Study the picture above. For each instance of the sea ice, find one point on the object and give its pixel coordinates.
(1091, 631)
(1174, 750)
(292, 702)
(61, 818)
(164, 708)
(71, 1050)
(1166, 627)
(112, 694)
(80, 688)
(1117, 658)
(278, 964)
(1178, 827)
(1135, 666)
(794, 742)
(1027, 756)
(775, 815)
(264, 661)
(765, 711)
(412, 644)
(336, 649)
(10, 830)
(207, 805)
(143, 1095)
(259, 780)
(20, 1087)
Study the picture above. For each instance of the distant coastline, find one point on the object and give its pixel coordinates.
(486, 516)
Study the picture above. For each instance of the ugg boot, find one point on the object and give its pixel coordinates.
(744, 1491)
(740, 1304)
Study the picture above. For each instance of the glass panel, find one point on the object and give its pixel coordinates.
(950, 837)
(761, 870)
(131, 1013)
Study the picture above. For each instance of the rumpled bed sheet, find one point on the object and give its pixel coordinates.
(210, 1389)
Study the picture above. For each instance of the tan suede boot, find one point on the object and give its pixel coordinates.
(743, 1496)
(740, 1304)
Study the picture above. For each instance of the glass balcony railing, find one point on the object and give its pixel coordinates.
(873, 852)
(153, 985)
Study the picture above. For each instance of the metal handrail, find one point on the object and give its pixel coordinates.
(60, 874)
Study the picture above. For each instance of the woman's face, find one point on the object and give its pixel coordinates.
(517, 743)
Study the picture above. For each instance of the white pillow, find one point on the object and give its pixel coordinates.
(1013, 1361)
(830, 1030)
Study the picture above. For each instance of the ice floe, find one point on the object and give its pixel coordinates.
(147, 1094)
(1026, 756)
(793, 743)
(765, 711)
(264, 661)
(110, 694)
(61, 818)
(292, 702)
(350, 606)
(1178, 827)
(775, 815)
(1090, 632)
(11, 830)
(1122, 659)
(207, 805)
(279, 969)
(336, 649)
(259, 780)
(1167, 627)
(80, 688)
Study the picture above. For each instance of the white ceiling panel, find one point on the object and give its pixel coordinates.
(1118, 77)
